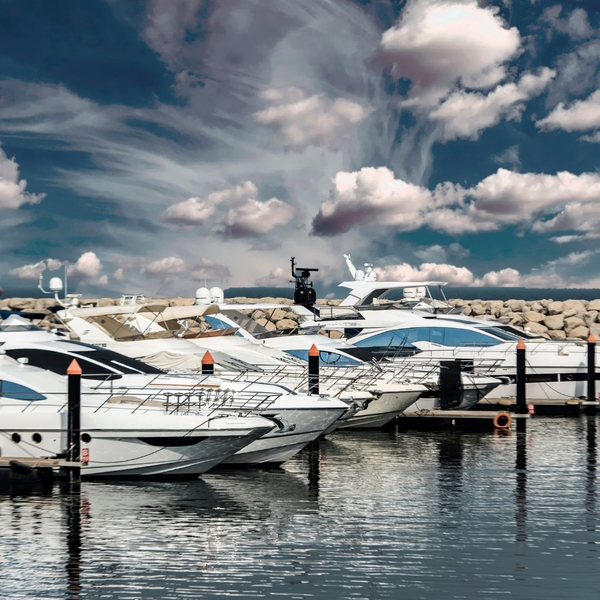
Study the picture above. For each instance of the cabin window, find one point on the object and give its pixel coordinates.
(326, 358)
(444, 336)
(216, 324)
(15, 391)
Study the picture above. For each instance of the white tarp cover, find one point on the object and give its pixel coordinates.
(169, 360)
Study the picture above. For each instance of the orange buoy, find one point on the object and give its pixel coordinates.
(502, 420)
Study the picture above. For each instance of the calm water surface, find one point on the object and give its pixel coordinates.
(366, 515)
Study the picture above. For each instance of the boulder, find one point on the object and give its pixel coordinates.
(467, 311)
(580, 332)
(478, 309)
(495, 307)
(536, 328)
(554, 322)
(179, 301)
(268, 325)
(556, 334)
(573, 322)
(21, 303)
(278, 314)
(589, 317)
(594, 305)
(106, 302)
(457, 303)
(286, 324)
(579, 306)
(515, 305)
(537, 307)
(569, 311)
(555, 308)
(533, 316)
(595, 329)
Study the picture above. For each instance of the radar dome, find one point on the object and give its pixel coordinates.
(203, 296)
(217, 295)
(56, 284)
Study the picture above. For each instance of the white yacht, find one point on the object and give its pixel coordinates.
(302, 417)
(122, 434)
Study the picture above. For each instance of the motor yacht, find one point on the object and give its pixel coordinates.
(123, 435)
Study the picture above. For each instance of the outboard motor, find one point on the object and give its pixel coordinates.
(304, 294)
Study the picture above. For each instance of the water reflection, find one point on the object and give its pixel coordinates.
(367, 515)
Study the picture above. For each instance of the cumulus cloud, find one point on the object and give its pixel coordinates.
(256, 218)
(576, 24)
(439, 44)
(237, 211)
(88, 266)
(466, 114)
(166, 266)
(119, 274)
(33, 271)
(581, 115)
(375, 197)
(371, 196)
(210, 270)
(511, 157)
(12, 189)
(459, 276)
(503, 278)
(302, 120)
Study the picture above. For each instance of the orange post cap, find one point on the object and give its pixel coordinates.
(314, 351)
(521, 344)
(591, 339)
(74, 368)
(207, 359)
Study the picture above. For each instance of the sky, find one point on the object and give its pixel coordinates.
(153, 146)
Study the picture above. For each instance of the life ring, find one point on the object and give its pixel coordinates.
(502, 420)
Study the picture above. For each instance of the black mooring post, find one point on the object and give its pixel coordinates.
(521, 378)
(208, 364)
(74, 419)
(313, 370)
(591, 372)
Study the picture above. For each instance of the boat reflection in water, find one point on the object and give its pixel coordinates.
(364, 514)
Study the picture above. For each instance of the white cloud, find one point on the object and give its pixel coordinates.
(237, 210)
(460, 276)
(88, 266)
(466, 114)
(575, 25)
(439, 44)
(33, 271)
(509, 157)
(303, 120)
(256, 218)
(439, 254)
(504, 278)
(581, 115)
(166, 266)
(374, 196)
(12, 189)
(210, 270)
(278, 277)
(119, 274)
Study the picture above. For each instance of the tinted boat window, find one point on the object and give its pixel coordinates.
(8, 389)
(57, 362)
(326, 358)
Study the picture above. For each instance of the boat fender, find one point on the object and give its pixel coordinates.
(502, 420)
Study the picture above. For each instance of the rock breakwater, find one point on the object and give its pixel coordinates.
(571, 319)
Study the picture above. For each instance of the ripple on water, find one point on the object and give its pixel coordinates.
(367, 515)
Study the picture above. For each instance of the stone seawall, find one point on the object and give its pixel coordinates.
(571, 319)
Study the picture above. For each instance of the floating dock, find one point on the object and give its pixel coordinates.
(479, 420)
(570, 407)
(33, 470)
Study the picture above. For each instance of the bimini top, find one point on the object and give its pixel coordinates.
(365, 293)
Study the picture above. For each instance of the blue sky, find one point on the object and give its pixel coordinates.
(149, 146)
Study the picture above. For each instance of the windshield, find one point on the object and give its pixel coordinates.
(111, 359)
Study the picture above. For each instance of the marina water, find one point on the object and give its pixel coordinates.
(366, 515)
